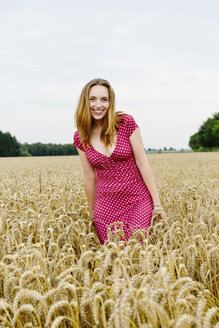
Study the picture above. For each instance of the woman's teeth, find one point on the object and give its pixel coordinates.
(98, 111)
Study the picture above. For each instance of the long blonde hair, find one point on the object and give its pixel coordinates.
(84, 120)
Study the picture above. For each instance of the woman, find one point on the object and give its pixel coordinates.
(117, 177)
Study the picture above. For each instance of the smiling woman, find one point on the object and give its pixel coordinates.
(118, 180)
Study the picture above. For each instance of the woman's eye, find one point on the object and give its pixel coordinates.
(92, 99)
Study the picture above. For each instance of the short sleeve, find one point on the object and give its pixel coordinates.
(77, 143)
(131, 125)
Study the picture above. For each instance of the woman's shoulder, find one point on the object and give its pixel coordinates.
(125, 118)
(128, 123)
(76, 134)
(77, 142)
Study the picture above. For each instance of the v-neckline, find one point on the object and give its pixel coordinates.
(113, 148)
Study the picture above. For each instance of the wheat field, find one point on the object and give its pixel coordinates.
(54, 273)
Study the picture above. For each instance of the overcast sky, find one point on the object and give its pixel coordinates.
(161, 57)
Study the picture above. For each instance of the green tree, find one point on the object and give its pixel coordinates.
(9, 145)
(215, 132)
(194, 141)
(207, 137)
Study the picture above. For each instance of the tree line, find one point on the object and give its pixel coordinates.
(9, 147)
(50, 149)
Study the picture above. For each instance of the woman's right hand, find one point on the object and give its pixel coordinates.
(158, 214)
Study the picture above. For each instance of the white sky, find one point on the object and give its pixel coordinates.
(161, 57)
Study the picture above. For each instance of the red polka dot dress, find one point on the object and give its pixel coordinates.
(121, 194)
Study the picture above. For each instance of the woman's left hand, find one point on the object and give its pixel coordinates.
(158, 214)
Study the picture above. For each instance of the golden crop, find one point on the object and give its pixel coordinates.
(54, 273)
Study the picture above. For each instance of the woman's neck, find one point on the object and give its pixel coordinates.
(98, 124)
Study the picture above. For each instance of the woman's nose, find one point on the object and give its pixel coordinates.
(98, 103)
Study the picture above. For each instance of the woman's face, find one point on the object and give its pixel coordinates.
(99, 101)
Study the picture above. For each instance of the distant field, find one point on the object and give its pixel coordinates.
(54, 273)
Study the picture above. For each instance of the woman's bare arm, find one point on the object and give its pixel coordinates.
(144, 167)
(90, 181)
